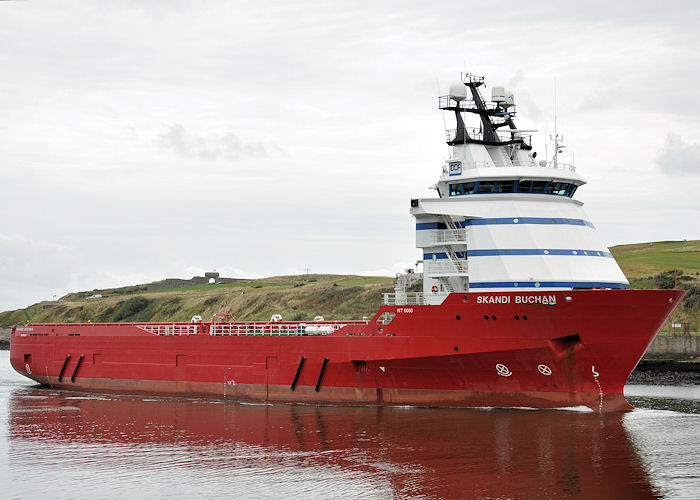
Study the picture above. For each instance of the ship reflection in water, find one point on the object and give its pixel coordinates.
(94, 446)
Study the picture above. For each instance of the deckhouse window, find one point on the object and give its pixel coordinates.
(558, 188)
(524, 186)
(539, 186)
(505, 186)
(486, 187)
(555, 188)
(460, 189)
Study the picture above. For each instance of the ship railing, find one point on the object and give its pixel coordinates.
(514, 163)
(503, 135)
(403, 299)
(445, 268)
(170, 328)
(273, 329)
(449, 102)
(450, 236)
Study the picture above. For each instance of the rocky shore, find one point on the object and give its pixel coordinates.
(666, 372)
(5, 338)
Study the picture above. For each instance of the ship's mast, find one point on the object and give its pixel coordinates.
(558, 141)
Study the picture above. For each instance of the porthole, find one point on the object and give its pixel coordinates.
(465, 299)
(458, 317)
(546, 252)
(517, 317)
(537, 285)
(493, 318)
(525, 316)
(486, 317)
(515, 221)
(456, 348)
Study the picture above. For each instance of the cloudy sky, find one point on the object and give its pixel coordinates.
(144, 140)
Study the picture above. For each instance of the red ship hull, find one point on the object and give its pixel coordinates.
(545, 349)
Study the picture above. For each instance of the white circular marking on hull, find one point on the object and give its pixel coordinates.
(503, 370)
(544, 369)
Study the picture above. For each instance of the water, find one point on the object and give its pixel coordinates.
(56, 444)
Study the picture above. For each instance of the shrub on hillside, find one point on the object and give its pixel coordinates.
(131, 307)
(667, 280)
(692, 298)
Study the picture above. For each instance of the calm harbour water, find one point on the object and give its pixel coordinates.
(56, 444)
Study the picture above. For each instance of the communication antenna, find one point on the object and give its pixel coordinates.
(444, 122)
(558, 146)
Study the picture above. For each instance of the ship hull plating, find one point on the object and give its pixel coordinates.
(545, 349)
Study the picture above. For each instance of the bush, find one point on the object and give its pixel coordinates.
(692, 298)
(131, 307)
(667, 279)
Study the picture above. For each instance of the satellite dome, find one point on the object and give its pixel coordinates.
(458, 91)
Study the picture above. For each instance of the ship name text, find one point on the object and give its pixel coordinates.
(517, 299)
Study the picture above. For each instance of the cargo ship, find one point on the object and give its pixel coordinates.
(516, 302)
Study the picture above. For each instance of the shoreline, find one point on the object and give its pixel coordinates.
(666, 372)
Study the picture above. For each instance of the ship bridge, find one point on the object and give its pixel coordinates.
(504, 220)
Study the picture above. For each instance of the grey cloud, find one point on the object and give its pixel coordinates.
(678, 156)
(178, 140)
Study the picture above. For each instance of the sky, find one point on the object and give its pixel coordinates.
(147, 140)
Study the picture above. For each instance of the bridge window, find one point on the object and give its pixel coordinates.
(460, 189)
(524, 186)
(538, 186)
(505, 186)
(486, 187)
(512, 186)
(558, 188)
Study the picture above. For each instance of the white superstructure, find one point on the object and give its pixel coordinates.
(504, 220)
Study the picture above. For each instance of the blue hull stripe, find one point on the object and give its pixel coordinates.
(510, 220)
(549, 284)
(524, 251)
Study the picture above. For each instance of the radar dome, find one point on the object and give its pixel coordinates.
(458, 91)
(498, 94)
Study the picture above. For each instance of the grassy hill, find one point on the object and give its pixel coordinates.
(647, 259)
(652, 265)
(294, 297)
(647, 265)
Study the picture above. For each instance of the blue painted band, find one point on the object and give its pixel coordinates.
(523, 251)
(420, 226)
(549, 284)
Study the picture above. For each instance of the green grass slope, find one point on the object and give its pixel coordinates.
(647, 259)
(294, 297)
(663, 264)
